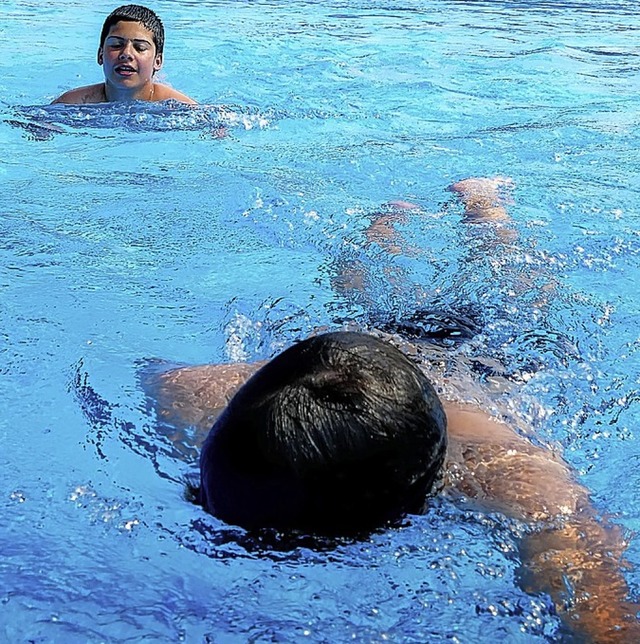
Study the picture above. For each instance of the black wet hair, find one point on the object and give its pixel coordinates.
(136, 13)
(341, 433)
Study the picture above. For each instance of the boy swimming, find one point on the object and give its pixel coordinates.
(131, 52)
(342, 434)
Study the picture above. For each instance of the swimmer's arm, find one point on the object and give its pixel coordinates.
(570, 552)
(193, 397)
(579, 564)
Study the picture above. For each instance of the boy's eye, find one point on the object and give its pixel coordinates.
(119, 44)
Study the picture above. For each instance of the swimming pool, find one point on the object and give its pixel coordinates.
(136, 235)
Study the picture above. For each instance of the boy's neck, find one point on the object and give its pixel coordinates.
(115, 94)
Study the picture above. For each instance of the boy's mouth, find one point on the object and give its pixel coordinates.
(124, 70)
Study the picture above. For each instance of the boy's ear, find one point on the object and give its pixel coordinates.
(157, 63)
(100, 56)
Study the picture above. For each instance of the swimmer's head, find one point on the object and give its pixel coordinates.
(136, 13)
(338, 434)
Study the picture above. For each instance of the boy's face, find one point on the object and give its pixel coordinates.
(128, 56)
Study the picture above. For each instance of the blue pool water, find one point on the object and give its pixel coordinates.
(130, 234)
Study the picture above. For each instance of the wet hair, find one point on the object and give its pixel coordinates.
(136, 13)
(339, 434)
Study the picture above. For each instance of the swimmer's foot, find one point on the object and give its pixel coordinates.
(484, 198)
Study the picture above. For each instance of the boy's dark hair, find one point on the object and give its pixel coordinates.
(336, 435)
(136, 13)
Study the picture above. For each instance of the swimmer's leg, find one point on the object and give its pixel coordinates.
(485, 201)
(382, 230)
(484, 198)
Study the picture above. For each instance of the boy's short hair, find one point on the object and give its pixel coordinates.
(338, 434)
(136, 13)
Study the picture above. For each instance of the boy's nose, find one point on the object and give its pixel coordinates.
(126, 52)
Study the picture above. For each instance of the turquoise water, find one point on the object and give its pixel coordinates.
(134, 234)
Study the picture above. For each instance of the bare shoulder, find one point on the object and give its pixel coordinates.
(194, 396)
(81, 95)
(490, 462)
(164, 92)
(217, 381)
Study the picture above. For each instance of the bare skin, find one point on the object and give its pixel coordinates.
(129, 60)
(98, 93)
(484, 200)
(570, 553)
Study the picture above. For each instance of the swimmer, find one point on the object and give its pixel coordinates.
(130, 53)
(342, 434)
